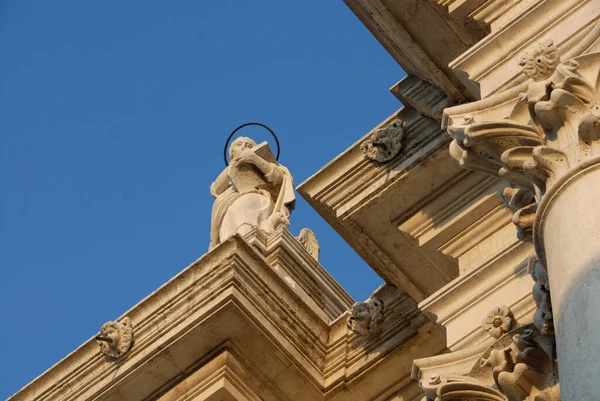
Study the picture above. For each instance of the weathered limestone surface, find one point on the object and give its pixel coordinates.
(488, 262)
(254, 319)
(422, 38)
(542, 137)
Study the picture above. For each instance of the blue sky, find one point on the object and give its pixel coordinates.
(113, 117)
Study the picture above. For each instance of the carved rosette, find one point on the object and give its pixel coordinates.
(497, 322)
(385, 143)
(115, 338)
(366, 316)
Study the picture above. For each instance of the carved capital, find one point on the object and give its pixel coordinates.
(535, 135)
(517, 367)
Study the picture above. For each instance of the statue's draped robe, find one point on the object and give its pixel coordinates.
(267, 206)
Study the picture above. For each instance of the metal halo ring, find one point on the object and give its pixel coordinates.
(245, 125)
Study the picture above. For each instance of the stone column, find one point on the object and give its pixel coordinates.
(543, 136)
(567, 229)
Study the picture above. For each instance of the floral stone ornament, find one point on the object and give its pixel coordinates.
(115, 337)
(497, 322)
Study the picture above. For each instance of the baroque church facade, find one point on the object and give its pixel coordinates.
(474, 202)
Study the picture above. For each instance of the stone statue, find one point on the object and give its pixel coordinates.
(253, 191)
(308, 239)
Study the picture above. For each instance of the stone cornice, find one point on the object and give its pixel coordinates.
(460, 305)
(413, 45)
(349, 181)
(233, 296)
(491, 66)
(348, 190)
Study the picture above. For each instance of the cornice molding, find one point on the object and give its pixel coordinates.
(491, 66)
(409, 51)
(232, 294)
(460, 305)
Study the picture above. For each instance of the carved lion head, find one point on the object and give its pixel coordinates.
(385, 143)
(115, 337)
(541, 62)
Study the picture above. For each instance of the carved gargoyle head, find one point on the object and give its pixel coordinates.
(540, 62)
(115, 337)
(385, 143)
(365, 316)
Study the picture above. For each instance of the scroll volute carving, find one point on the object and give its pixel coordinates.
(518, 367)
(533, 134)
(521, 365)
(458, 388)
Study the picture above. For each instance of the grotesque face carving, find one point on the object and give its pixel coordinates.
(365, 316)
(541, 62)
(115, 337)
(385, 143)
(239, 144)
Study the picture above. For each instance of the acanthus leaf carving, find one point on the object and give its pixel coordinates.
(518, 366)
(542, 318)
(522, 370)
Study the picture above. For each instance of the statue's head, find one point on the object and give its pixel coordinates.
(239, 144)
